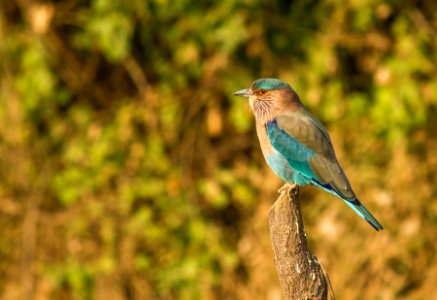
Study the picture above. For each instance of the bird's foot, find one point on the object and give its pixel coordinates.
(292, 188)
(283, 188)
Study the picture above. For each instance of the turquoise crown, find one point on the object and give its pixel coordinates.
(269, 84)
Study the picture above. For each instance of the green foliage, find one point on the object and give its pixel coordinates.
(131, 170)
(71, 276)
(108, 27)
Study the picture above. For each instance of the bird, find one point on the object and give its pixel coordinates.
(295, 145)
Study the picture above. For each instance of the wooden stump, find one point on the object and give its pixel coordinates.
(300, 274)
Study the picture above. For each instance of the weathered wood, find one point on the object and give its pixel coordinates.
(300, 274)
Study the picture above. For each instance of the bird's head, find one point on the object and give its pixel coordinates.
(268, 96)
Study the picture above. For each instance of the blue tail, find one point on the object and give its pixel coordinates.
(354, 204)
(364, 213)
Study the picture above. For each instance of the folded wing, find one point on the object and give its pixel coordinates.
(307, 147)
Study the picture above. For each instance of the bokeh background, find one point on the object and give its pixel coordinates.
(129, 171)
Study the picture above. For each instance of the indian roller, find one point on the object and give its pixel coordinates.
(295, 145)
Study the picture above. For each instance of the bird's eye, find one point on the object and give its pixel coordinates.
(262, 91)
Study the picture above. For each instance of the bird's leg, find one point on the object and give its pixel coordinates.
(284, 188)
(294, 188)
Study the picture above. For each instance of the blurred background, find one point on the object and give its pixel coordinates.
(129, 171)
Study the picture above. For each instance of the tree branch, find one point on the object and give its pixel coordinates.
(300, 274)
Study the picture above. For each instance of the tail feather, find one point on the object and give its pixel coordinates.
(364, 213)
(354, 204)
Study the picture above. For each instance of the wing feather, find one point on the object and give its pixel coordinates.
(305, 144)
(312, 152)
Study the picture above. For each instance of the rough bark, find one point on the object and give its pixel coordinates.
(300, 274)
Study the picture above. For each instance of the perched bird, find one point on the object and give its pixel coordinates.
(296, 145)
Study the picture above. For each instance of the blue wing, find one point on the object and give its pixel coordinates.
(308, 149)
(297, 154)
(320, 168)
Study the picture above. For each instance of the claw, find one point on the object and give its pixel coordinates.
(294, 189)
(283, 188)
(294, 186)
(291, 188)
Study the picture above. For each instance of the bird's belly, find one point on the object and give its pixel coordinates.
(282, 169)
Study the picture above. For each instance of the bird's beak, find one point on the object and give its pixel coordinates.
(243, 93)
